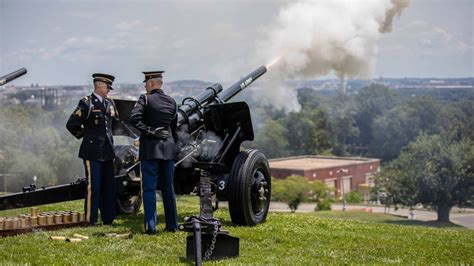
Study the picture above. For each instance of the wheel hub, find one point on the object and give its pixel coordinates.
(259, 192)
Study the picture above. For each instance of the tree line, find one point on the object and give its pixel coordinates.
(35, 142)
(374, 122)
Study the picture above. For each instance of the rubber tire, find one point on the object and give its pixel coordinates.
(241, 180)
(123, 208)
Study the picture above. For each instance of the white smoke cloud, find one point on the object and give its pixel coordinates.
(315, 38)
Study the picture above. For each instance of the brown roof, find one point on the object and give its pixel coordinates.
(316, 162)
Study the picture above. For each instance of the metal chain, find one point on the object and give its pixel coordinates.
(209, 251)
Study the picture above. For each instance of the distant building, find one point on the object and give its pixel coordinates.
(347, 172)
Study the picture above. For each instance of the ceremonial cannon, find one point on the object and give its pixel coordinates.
(211, 131)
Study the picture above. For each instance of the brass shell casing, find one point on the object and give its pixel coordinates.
(34, 212)
(15, 222)
(41, 220)
(24, 223)
(49, 219)
(7, 224)
(58, 219)
(74, 217)
(80, 236)
(33, 221)
(66, 217)
(58, 238)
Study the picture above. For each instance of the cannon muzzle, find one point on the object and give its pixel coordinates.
(14, 75)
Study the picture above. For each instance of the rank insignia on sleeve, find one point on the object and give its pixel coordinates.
(78, 112)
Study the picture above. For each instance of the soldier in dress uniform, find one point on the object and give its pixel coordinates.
(155, 115)
(93, 121)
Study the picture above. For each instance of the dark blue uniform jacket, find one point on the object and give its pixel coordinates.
(93, 121)
(153, 110)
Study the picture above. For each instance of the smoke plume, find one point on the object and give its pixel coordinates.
(314, 38)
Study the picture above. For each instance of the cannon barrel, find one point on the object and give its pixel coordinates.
(190, 111)
(14, 75)
(240, 85)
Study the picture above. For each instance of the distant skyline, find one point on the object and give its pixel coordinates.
(63, 42)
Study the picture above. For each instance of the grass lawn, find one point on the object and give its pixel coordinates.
(286, 238)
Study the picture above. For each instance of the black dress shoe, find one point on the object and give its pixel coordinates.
(108, 223)
(150, 232)
(170, 230)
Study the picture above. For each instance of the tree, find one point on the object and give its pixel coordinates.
(271, 140)
(462, 122)
(24, 166)
(434, 171)
(401, 125)
(308, 132)
(340, 114)
(309, 98)
(35, 142)
(370, 102)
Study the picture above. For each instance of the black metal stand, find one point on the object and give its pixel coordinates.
(207, 240)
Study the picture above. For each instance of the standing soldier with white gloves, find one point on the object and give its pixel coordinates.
(155, 115)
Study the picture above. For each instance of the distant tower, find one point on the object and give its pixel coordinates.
(342, 85)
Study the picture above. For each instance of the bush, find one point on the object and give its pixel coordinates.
(323, 205)
(296, 189)
(295, 200)
(291, 190)
(354, 197)
(317, 190)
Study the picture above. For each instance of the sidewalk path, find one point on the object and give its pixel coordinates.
(465, 219)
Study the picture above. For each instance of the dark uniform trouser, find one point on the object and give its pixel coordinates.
(164, 170)
(100, 192)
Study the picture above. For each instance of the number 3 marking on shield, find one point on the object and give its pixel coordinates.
(221, 185)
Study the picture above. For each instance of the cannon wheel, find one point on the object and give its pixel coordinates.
(128, 204)
(249, 188)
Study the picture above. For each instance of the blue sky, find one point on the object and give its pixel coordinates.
(63, 42)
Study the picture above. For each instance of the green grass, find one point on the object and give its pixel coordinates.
(286, 238)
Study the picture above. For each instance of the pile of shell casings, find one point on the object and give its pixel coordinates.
(37, 219)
